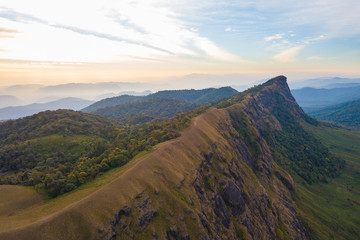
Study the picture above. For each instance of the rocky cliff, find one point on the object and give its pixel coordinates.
(219, 180)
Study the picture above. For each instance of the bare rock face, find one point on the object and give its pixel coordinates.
(234, 198)
(226, 194)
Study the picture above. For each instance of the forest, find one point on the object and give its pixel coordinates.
(57, 151)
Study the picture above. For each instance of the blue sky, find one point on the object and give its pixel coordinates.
(133, 40)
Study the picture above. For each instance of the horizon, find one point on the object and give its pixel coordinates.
(154, 41)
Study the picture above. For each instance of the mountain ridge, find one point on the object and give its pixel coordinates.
(192, 95)
(218, 180)
(27, 110)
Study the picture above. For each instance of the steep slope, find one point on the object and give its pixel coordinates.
(313, 99)
(345, 113)
(193, 96)
(224, 178)
(27, 110)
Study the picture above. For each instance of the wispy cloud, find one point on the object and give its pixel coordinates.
(7, 33)
(288, 55)
(276, 36)
(10, 14)
(109, 37)
(154, 25)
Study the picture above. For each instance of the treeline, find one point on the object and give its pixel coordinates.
(60, 150)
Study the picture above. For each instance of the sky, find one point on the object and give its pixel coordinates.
(61, 41)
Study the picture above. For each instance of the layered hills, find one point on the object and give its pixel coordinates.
(189, 96)
(234, 173)
(15, 112)
(347, 113)
(311, 99)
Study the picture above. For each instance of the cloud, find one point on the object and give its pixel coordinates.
(288, 55)
(314, 39)
(17, 16)
(153, 24)
(109, 37)
(7, 33)
(276, 36)
(315, 58)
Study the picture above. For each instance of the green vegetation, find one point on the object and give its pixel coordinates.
(332, 210)
(345, 113)
(156, 107)
(59, 150)
(243, 127)
(202, 96)
(299, 151)
(109, 102)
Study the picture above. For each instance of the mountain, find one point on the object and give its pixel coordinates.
(347, 113)
(8, 100)
(131, 93)
(326, 82)
(32, 93)
(194, 96)
(254, 167)
(27, 110)
(154, 107)
(109, 102)
(312, 99)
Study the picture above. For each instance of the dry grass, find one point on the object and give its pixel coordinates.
(79, 214)
(17, 198)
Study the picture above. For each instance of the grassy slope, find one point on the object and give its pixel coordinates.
(17, 198)
(333, 210)
(80, 208)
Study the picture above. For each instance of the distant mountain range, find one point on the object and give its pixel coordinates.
(131, 93)
(155, 107)
(311, 99)
(334, 82)
(347, 113)
(185, 101)
(22, 111)
(32, 93)
(8, 100)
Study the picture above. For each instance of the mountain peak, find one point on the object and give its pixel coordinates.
(278, 82)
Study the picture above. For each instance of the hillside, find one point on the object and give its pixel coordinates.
(154, 107)
(193, 96)
(58, 151)
(27, 110)
(225, 177)
(347, 113)
(311, 99)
